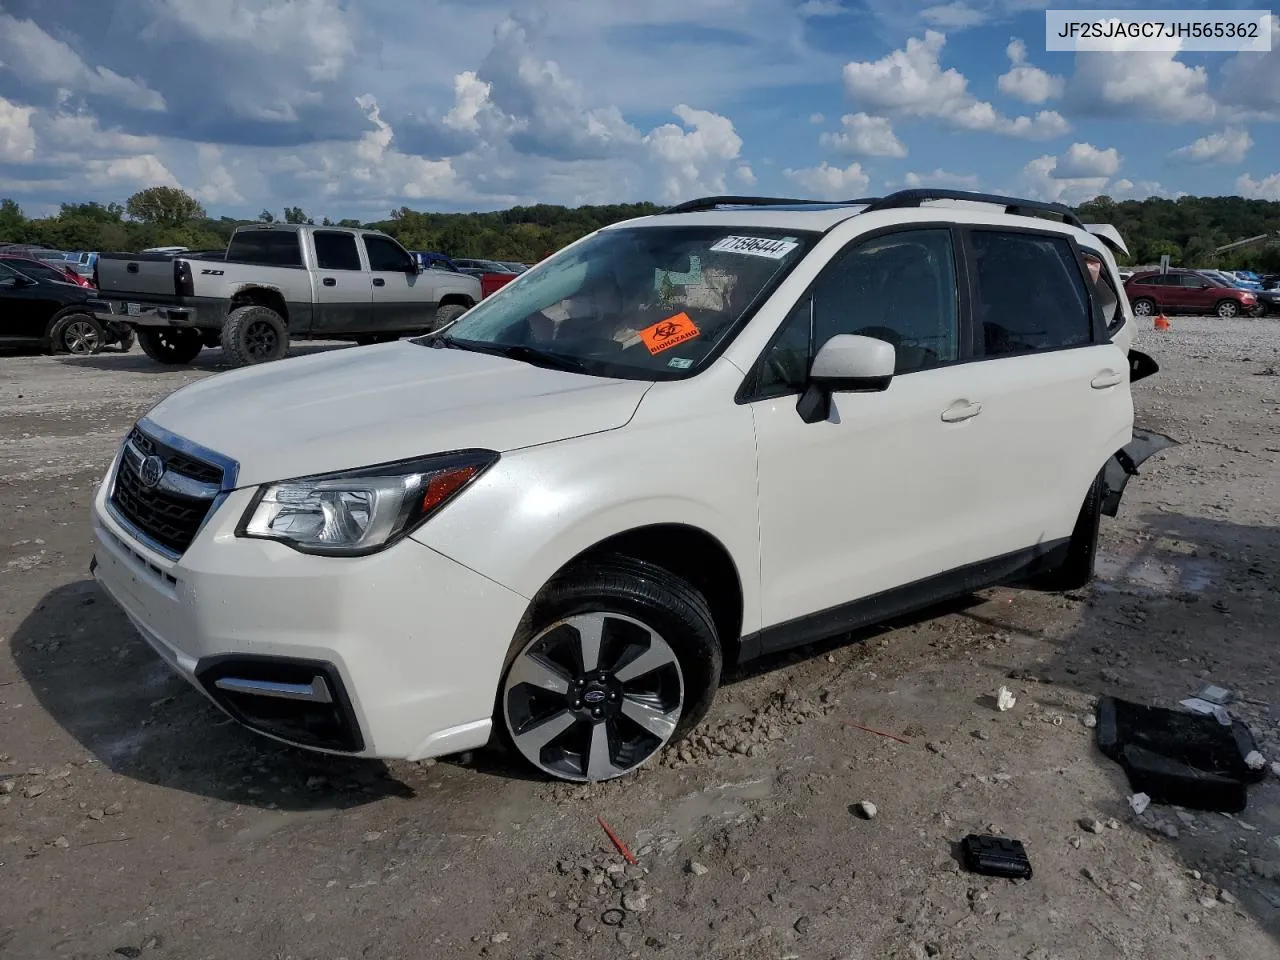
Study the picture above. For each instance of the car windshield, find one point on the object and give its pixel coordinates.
(647, 303)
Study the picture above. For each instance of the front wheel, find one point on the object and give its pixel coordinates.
(170, 345)
(448, 313)
(1144, 308)
(1227, 309)
(616, 660)
(78, 334)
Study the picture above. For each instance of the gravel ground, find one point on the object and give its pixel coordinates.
(136, 821)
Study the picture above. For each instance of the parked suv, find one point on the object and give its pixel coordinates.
(1187, 291)
(39, 310)
(682, 442)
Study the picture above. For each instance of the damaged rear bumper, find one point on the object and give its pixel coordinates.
(1125, 463)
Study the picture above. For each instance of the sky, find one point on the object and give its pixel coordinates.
(353, 108)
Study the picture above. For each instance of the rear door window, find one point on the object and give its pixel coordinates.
(336, 250)
(1029, 293)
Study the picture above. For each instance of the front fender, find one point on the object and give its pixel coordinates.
(1124, 464)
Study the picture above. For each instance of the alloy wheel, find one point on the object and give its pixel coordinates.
(81, 338)
(1227, 310)
(260, 340)
(1142, 308)
(593, 696)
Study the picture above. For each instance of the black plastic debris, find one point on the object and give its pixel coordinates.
(1183, 759)
(995, 857)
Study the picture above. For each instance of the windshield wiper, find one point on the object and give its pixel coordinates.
(513, 351)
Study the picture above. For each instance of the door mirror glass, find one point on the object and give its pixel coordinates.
(846, 363)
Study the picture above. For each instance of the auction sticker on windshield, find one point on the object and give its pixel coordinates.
(668, 333)
(755, 247)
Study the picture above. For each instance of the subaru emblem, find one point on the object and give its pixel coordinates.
(151, 472)
(593, 696)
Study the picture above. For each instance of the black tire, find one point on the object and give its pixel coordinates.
(675, 613)
(173, 346)
(1077, 569)
(254, 334)
(1227, 310)
(447, 313)
(78, 334)
(125, 339)
(1144, 307)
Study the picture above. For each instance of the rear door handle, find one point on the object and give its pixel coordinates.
(329, 282)
(1107, 378)
(961, 410)
(379, 282)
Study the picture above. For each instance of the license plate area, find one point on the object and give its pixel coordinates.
(133, 309)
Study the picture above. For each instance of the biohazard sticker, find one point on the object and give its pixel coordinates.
(755, 247)
(668, 333)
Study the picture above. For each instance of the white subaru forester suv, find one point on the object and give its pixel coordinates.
(683, 441)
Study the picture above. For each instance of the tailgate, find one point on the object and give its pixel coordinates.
(148, 274)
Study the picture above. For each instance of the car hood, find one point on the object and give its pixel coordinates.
(366, 405)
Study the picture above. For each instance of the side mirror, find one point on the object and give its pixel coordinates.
(414, 267)
(847, 363)
(9, 283)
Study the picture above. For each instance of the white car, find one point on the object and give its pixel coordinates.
(683, 441)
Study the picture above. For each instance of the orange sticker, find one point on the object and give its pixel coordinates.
(668, 333)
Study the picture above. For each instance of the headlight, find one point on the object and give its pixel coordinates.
(359, 512)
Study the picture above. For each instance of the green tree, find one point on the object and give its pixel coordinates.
(266, 216)
(164, 207)
(296, 215)
(13, 223)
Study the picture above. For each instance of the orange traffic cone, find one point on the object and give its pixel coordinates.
(1162, 322)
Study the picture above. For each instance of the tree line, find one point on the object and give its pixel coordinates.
(1189, 229)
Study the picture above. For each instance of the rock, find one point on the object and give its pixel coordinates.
(1208, 902)
(865, 809)
(586, 925)
(500, 938)
(1226, 896)
(933, 747)
(34, 790)
(1089, 721)
(114, 810)
(982, 735)
(97, 814)
(1169, 830)
(6, 786)
(1075, 842)
(635, 902)
(801, 926)
(612, 917)
(565, 867)
(1090, 825)
(61, 842)
(696, 868)
(151, 943)
(1113, 823)
(932, 950)
(371, 836)
(129, 952)
(1110, 676)
(1266, 869)
(624, 938)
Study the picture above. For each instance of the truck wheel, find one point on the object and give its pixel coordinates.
(77, 334)
(448, 313)
(254, 334)
(170, 345)
(125, 339)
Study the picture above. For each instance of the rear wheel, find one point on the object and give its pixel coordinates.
(78, 334)
(1227, 309)
(254, 334)
(615, 661)
(1144, 308)
(448, 313)
(125, 339)
(170, 345)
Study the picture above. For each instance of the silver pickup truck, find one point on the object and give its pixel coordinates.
(278, 282)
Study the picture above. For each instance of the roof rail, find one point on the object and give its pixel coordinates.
(710, 203)
(1012, 205)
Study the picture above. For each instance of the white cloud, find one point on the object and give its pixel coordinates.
(81, 133)
(816, 118)
(33, 55)
(17, 137)
(143, 170)
(821, 8)
(1268, 188)
(1229, 146)
(1124, 189)
(830, 183)
(746, 176)
(471, 95)
(313, 33)
(1048, 178)
(1251, 81)
(693, 157)
(1084, 160)
(952, 16)
(219, 186)
(1146, 85)
(1025, 82)
(911, 82)
(388, 172)
(865, 136)
(940, 178)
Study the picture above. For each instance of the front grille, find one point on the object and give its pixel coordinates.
(164, 515)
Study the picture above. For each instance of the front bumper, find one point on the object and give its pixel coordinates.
(396, 655)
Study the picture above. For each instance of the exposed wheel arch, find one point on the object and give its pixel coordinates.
(691, 554)
(260, 297)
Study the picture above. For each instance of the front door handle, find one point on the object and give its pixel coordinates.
(379, 282)
(329, 282)
(1107, 378)
(961, 410)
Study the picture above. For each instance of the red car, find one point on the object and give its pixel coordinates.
(1185, 291)
(44, 269)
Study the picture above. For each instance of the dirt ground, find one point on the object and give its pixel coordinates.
(136, 821)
